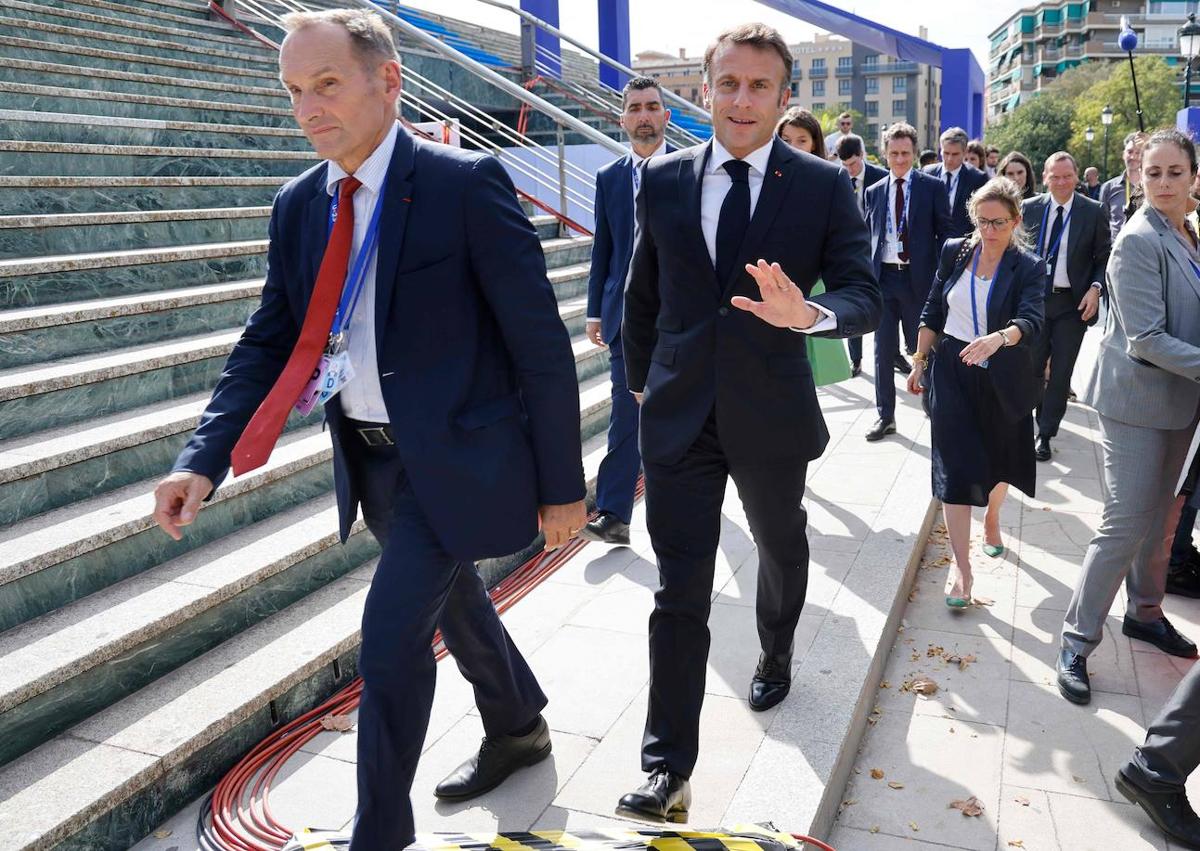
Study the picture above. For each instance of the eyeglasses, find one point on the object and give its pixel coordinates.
(996, 224)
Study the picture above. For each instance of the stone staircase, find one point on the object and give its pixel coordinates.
(141, 144)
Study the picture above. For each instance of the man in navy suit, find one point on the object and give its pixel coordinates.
(863, 175)
(960, 179)
(645, 121)
(910, 219)
(459, 426)
(724, 378)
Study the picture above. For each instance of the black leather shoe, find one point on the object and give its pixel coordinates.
(498, 757)
(902, 366)
(1073, 682)
(881, 429)
(1183, 580)
(1169, 810)
(664, 797)
(1042, 450)
(607, 529)
(855, 368)
(1162, 635)
(772, 681)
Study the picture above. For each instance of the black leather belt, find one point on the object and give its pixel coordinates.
(896, 267)
(372, 434)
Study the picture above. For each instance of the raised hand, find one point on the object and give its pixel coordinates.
(783, 304)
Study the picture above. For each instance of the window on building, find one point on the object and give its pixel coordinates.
(818, 107)
(695, 93)
(872, 131)
(899, 84)
(818, 64)
(818, 88)
(871, 59)
(844, 86)
(872, 109)
(795, 90)
(845, 61)
(872, 85)
(900, 106)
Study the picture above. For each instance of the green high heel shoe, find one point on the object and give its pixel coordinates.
(993, 550)
(957, 602)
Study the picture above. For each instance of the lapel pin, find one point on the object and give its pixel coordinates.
(408, 200)
(778, 173)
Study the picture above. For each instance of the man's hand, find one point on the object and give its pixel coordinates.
(561, 522)
(177, 499)
(592, 329)
(783, 303)
(1090, 304)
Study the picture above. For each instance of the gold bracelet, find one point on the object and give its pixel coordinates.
(921, 358)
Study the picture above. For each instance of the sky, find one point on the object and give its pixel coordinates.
(668, 25)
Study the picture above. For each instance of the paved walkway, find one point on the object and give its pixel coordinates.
(997, 728)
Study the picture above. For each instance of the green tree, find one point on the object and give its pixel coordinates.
(1036, 128)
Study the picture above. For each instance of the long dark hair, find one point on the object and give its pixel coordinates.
(1030, 188)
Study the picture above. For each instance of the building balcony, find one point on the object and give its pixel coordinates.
(818, 73)
(844, 71)
(890, 68)
(1050, 29)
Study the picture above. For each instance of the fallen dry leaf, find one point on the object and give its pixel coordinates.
(1016, 843)
(924, 686)
(892, 784)
(162, 834)
(885, 684)
(970, 807)
(1022, 800)
(876, 774)
(849, 802)
(934, 650)
(965, 661)
(874, 828)
(1046, 508)
(983, 601)
(339, 723)
(912, 596)
(1078, 779)
(913, 825)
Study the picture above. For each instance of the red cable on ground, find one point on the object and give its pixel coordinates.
(214, 7)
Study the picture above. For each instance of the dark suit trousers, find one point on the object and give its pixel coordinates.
(418, 589)
(1059, 343)
(683, 513)
(899, 306)
(1171, 751)
(618, 474)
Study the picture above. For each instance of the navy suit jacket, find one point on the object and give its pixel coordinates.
(1112, 197)
(928, 226)
(612, 244)
(969, 179)
(691, 351)
(1088, 239)
(475, 365)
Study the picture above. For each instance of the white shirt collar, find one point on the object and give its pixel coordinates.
(1054, 204)
(954, 172)
(373, 171)
(905, 177)
(757, 159)
(637, 160)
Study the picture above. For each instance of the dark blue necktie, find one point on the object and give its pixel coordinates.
(1052, 245)
(735, 218)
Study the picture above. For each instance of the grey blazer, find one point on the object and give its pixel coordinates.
(1148, 370)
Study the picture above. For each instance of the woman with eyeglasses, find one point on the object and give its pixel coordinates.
(984, 313)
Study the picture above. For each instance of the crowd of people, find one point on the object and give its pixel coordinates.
(724, 278)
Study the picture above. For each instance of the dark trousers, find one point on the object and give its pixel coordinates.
(900, 306)
(683, 514)
(618, 473)
(1182, 547)
(1059, 344)
(854, 344)
(418, 589)
(1171, 751)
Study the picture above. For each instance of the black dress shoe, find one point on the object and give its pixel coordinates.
(664, 797)
(1073, 682)
(607, 529)
(881, 429)
(772, 681)
(1042, 450)
(902, 366)
(1183, 580)
(1169, 810)
(855, 368)
(498, 757)
(1162, 635)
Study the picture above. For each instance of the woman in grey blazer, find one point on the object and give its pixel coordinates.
(1146, 389)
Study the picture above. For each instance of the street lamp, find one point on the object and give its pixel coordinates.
(1106, 116)
(1089, 135)
(1189, 46)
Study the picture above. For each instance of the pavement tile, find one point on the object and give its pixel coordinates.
(621, 605)
(1025, 818)
(1084, 825)
(853, 839)
(314, 791)
(1037, 641)
(1058, 531)
(783, 784)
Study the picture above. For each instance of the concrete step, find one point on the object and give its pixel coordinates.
(178, 18)
(111, 779)
(82, 233)
(42, 47)
(71, 663)
(247, 55)
(42, 195)
(32, 158)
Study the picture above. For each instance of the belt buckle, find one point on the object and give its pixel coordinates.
(376, 436)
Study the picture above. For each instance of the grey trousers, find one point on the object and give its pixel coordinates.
(1172, 748)
(1141, 467)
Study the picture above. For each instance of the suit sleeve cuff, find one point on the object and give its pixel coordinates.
(827, 322)
(592, 319)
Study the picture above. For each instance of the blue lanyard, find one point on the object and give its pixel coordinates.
(1044, 236)
(891, 208)
(974, 308)
(358, 270)
(1195, 268)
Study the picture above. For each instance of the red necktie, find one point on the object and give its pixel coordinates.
(901, 223)
(255, 445)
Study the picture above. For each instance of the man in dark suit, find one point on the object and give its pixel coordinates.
(645, 121)
(863, 175)
(724, 380)
(960, 179)
(1122, 195)
(910, 219)
(458, 426)
(1070, 232)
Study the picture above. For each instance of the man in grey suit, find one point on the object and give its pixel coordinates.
(1122, 195)
(1146, 389)
(1070, 232)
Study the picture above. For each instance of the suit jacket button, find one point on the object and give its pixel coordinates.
(723, 311)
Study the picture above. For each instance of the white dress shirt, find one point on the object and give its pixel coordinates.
(959, 324)
(712, 195)
(362, 397)
(891, 237)
(1061, 281)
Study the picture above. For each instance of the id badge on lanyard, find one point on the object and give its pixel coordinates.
(334, 370)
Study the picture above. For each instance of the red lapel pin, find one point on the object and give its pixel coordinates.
(778, 173)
